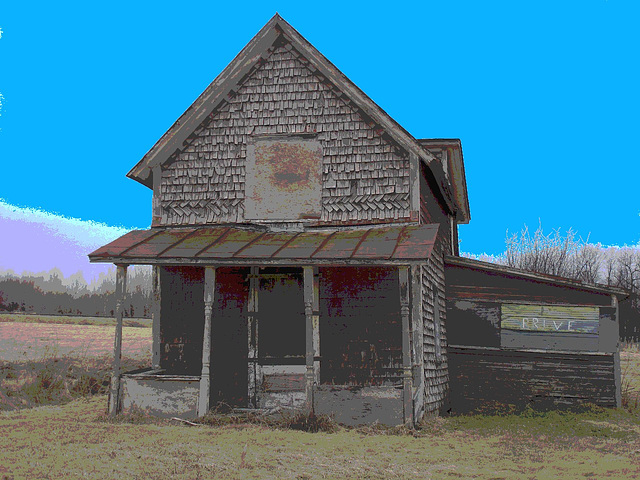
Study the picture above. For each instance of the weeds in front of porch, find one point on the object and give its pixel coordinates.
(54, 379)
(222, 415)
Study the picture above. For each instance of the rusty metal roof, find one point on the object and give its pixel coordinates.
(241, 245)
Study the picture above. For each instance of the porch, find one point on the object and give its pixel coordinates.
(332, 336)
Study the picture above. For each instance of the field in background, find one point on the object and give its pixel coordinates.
(72, 319)
(21, 341)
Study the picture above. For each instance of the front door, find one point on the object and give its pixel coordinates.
(229, 338)
(278, 338)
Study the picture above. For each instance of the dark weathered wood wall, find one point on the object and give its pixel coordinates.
(182, 321)
(360, 328)
(492, 364)
(483, 379)
(365, 176)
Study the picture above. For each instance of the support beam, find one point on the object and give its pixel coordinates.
(309, 301)
(407, 383)
(205, 377)
(121, 290)
(252, 333)
(616, 356)
(316, 325)
(418, 341)
(156, 312)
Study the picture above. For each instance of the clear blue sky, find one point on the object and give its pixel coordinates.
(544, 96)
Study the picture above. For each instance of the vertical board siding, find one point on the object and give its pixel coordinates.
(365, 175)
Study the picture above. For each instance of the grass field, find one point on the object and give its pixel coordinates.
(77, 440)
(21, 341)
(72, 319)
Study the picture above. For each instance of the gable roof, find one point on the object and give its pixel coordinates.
(225, 84)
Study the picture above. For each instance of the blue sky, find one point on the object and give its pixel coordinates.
(543, 95)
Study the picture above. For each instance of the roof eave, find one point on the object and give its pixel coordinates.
(565, 282)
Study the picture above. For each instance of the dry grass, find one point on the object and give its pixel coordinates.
(72, 319)
(20, 342)
(78, 439)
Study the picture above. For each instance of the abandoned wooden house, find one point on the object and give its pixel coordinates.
(299, 244)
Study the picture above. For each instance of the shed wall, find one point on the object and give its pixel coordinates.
(495, 360)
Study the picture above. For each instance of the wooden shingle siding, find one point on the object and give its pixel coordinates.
(365, 175)
(435, 367)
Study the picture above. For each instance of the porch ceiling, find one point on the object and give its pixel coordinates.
(234, 245)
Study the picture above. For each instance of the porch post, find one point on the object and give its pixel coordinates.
(205, 377)
(316, 325)
(121, 290)
(252, 332)
(310, 300)
(418, 340)
(156, 312)
(407, 383)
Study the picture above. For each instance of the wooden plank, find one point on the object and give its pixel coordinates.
(360, 405)
(156, 204)
(609, 330)
(121, 291)
(548, 341)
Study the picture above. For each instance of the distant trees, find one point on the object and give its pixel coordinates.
(572, 257)
(52, 293)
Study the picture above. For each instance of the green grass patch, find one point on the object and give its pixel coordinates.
(73, 320)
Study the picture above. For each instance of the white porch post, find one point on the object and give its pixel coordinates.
(311, 307)
(156, 312)
(252, 339)
(407, 383)
(205, 378)
(121, 290)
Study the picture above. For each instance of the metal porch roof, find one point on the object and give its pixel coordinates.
(235, 245)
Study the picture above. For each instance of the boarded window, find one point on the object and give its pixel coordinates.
(283, 178)
(360, 326)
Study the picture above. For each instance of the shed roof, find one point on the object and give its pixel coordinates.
(234, 245)
(511, 272)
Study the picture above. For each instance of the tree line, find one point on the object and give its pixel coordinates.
(52, 293)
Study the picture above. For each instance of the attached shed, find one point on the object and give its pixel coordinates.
(518, 338)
